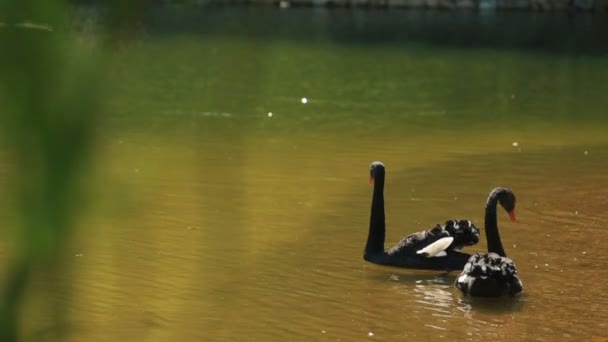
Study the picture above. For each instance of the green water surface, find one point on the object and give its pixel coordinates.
(220, 207)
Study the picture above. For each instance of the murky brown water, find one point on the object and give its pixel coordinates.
(209, 220)
(264, 242)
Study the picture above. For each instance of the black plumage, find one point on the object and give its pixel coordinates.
(492, 274)
(404, 253)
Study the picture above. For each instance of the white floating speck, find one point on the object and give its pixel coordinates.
(548, 235)
(323, 331)
(584, 252)
(284, 4)
(79, 254)
(546, 265)
(304, 100)
(269, 114)
(576, 212)
(514, 246)
(535, 266)
(370, 334)
(586, 152)
(515, 144)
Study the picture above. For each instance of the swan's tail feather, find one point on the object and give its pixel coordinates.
(437, 248)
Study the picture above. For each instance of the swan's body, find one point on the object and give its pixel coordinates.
(430, 249)
(489, 275)
(492, 274)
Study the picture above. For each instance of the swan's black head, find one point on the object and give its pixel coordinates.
(507, 200)
(376, 169)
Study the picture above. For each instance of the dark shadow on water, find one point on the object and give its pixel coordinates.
(537, 32)
(493, 305)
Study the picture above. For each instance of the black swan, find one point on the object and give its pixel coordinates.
(492, 274)
(431, 249)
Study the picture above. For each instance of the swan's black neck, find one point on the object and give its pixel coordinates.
(491, 227)
(377, 228)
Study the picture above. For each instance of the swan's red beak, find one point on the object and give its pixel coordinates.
(512, 215)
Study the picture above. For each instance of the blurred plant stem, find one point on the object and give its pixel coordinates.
(48, 102)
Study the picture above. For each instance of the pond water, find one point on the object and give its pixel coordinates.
(221, 207)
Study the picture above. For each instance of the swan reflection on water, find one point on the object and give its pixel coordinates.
(490, 318)
(433, 297)
(497, 305)
(437, 291)
(434, 292)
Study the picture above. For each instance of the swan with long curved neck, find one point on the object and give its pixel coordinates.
(492, 274)
(431, 249)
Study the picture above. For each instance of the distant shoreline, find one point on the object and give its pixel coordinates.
(475, 5)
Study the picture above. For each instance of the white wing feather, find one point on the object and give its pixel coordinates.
(436, 248)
